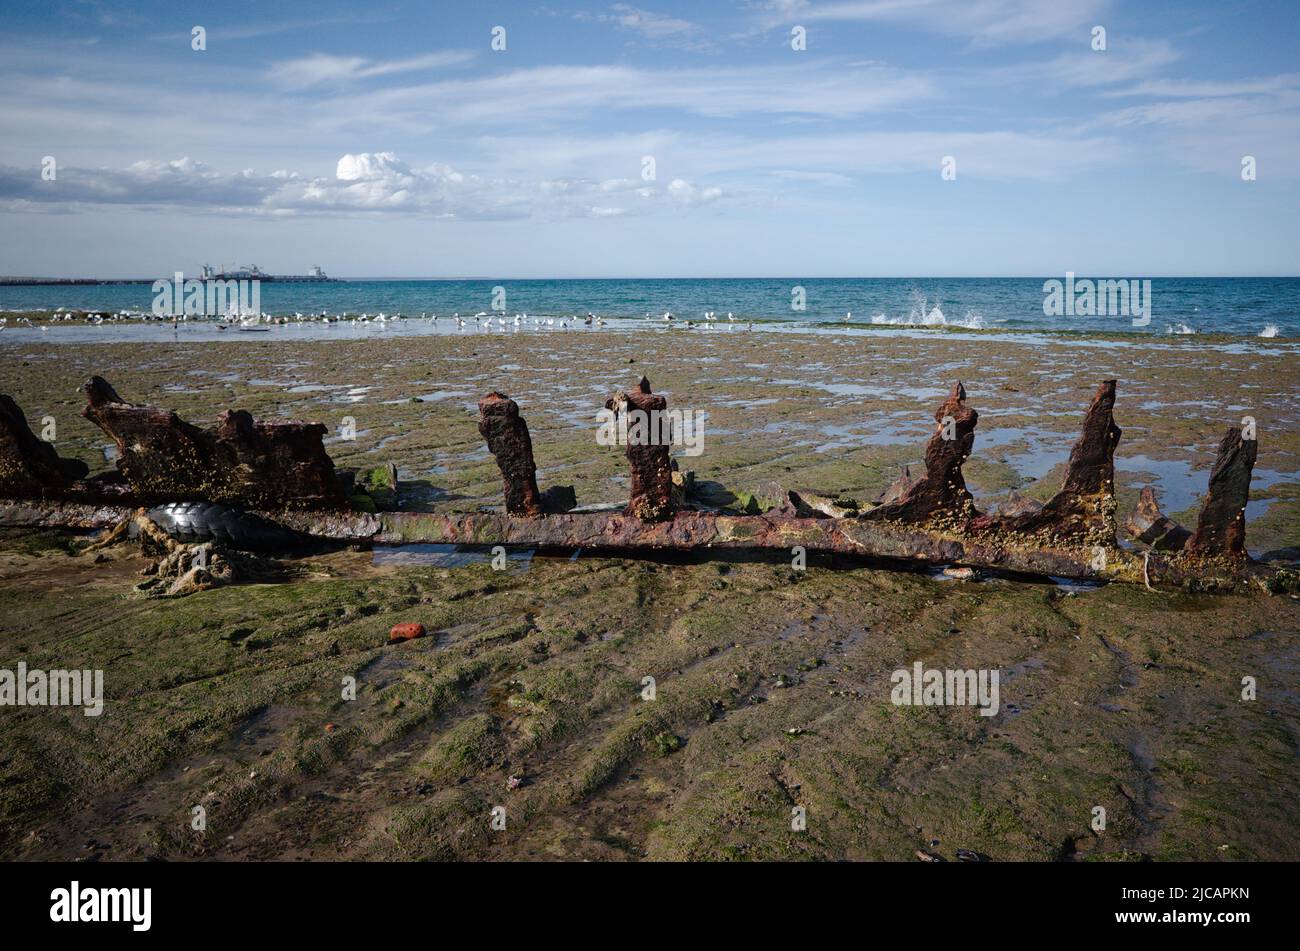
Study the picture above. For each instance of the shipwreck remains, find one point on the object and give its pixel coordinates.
(251, 463)
(29, 466)
(280, 472)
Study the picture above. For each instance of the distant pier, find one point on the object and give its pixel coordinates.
(105, 281)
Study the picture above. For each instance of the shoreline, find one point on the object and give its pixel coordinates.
(158, 329)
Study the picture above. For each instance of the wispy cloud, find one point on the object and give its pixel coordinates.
(322, 68)
(251, 29)
(826, 89)
(1130, 60)
(982, 21)
(650, 26)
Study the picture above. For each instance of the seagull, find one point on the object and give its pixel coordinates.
(848, 315)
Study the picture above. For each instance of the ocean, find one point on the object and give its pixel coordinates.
(1241, 307)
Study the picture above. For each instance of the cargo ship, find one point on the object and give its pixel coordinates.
(254, 273)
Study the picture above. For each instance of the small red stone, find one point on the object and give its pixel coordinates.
(405, 632)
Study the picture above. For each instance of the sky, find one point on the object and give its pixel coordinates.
(651, 139)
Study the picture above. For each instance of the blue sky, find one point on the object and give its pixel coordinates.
(392, 140)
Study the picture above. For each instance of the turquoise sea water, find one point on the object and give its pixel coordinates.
(1246, 307)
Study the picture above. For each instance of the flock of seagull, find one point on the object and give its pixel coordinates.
(480, 321)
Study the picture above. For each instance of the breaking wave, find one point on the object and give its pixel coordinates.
(922, 313)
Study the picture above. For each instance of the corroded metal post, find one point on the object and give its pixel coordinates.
(507, 437)
(1221, 527)
(1083, 511)
(651, 497)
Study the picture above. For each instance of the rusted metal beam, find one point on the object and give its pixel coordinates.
(615, 532)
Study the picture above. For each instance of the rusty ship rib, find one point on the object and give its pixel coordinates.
(280, 470)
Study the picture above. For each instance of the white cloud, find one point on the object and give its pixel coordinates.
(319, 68)
(823, 89)
(653, 27)
(684, 193)
(1128, 60)
(366, 182)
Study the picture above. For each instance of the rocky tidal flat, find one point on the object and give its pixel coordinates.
(772, 684)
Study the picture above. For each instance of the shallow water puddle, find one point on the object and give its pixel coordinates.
(518, 561)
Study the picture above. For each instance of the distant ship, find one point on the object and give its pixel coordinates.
(254, 273)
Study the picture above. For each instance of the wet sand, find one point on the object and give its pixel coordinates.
(773, 685)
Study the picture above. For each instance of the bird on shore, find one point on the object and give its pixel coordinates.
(848, 316)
